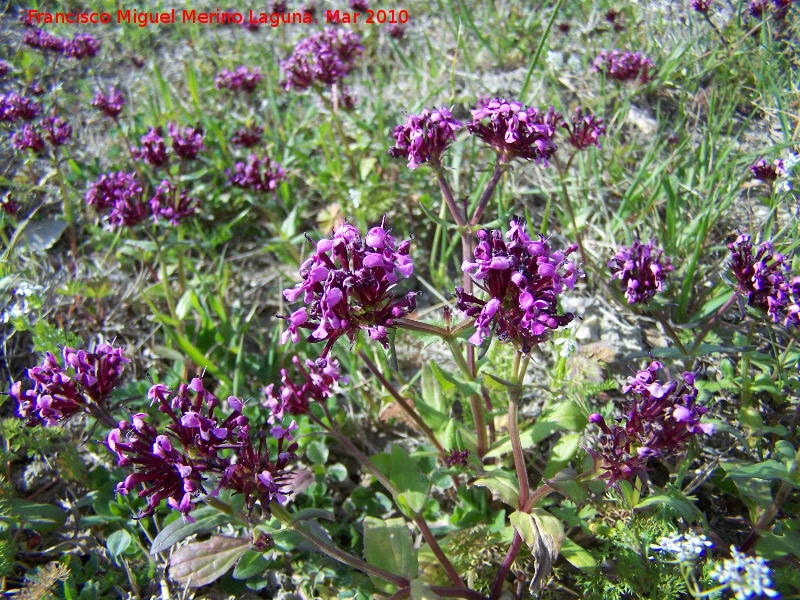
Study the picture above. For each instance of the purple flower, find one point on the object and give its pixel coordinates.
(762, 276)
(782, 8)
(111, 104)
(658, 421)
(324, 58)
(170, 205)
(9, 206)
(523, 279)
(768, 172)
(457, 458)
(425, 136)
(360, 5)
(113, 188)
(82, 46)
(279, 6)
(58, 130)
(258, 174)
(701, 6)
(625, 66)
(247, 137)
(13, 107)
(396, 31)
(187, 142)
(757, 8)
(36, 88)
(242, 79)
(641, 271)
(515, 130)
(81, 385)
(585, 131)
(309, 7)
(4, 68)
(319, 383)
(348, 287)
(42, 40)
(153, 151)
(29, 139)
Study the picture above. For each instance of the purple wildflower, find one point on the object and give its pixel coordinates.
(153, 151)
(324, 58)
(515, 130)
(782, 8)
(425, 136)
(113, 188)
(170, 205)
(111, 104)
(187, 142)
(319, 383)
(36, 88)
(242, 79)
(641, 270)
(29, 139)
(42, 40)
(9, 206)
(247, 137)
(523, 279)
(279, 6)
(58, 130)
(82, 385)
(360, 5)
(396, 31)
(309, 7)
(4, 68)
(585, 131)
(355, 294)
(625, 66)
(13, 107)
(762, 276)
(258, 174)
(82, 46)
(768, 172)
(757, 8)
(457, 458)
(659, 420)
(701, 6)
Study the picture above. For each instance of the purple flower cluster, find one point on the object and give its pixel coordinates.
(457, 458)
(585, 131)
(625, 66)
(763, 276)
(9, 206)
(360, 5)
(81, 46)
(58, 130)
(523, 279)
(319, 383)
(757, 8)
(396, 31)
(242, 79)
(4, 68)
(348, 287)
(324, 58)
(173, 464)
(42, 40)
(113, 189)
(29, 139)
(187, 142)
(247, 137)
(768, 172)
(111, 104)
(257, 174)
(153, 150)
(701, 6)
(782, 8)
(515, 130)
(171, 205)
(83, 384)
(659, 418)
(641, 271)
(425, 136)
(13, 107)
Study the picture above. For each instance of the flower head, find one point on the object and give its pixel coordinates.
(319, 382)
(29, 139)
(113, 188)
(625, 66)
(9, 206)
(515, 130)
(685, 547)
(457, 458)
(111, 104)
(13, 107)
(396, 31)
(348, 286)
(585, 131)
(768, 172)
(659, 418)
(82, 46)
(424, 136)
(42, 40)
(641, 271)
(324, 58)
(186, 142)
(747, 576)
(701, 6)
(242, 79)
(171, 205)
(58, 130)
(85, 380)
(523, 278)
(257, 174)
(247, 137)
(757, 8)
(153, 150)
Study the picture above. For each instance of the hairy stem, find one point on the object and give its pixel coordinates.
(710, 323)
(513, 433)
(505, 566)
(487, 194)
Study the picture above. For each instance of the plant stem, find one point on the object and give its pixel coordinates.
(710, 323)
(447, 193)
(671, 333)
(505, 566)
(475, 401)
(487, 194)
(409, 410)
(421, 327)
(513, 433)
(562, 174)
(448, 592)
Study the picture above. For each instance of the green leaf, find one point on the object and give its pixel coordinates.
(365, 166)
(685, 508)
(317, 452)
(577, 556)
(565, 415)
(201, 563)
(502, 483)
(388, 546)
(42, 518)
(307, 514)
(563, 451)
(401, 470)
(543, 534)
(206, 519)
(118, 542)
(420, 590)
(770, 470)
(414, 501)
(468, 388)
(566, 483)
(337, 472)
(251, 564)
(391, 351)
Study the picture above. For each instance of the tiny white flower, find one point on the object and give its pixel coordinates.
(685, 546)
(555, 60)
(748, 577)
(574, 63)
